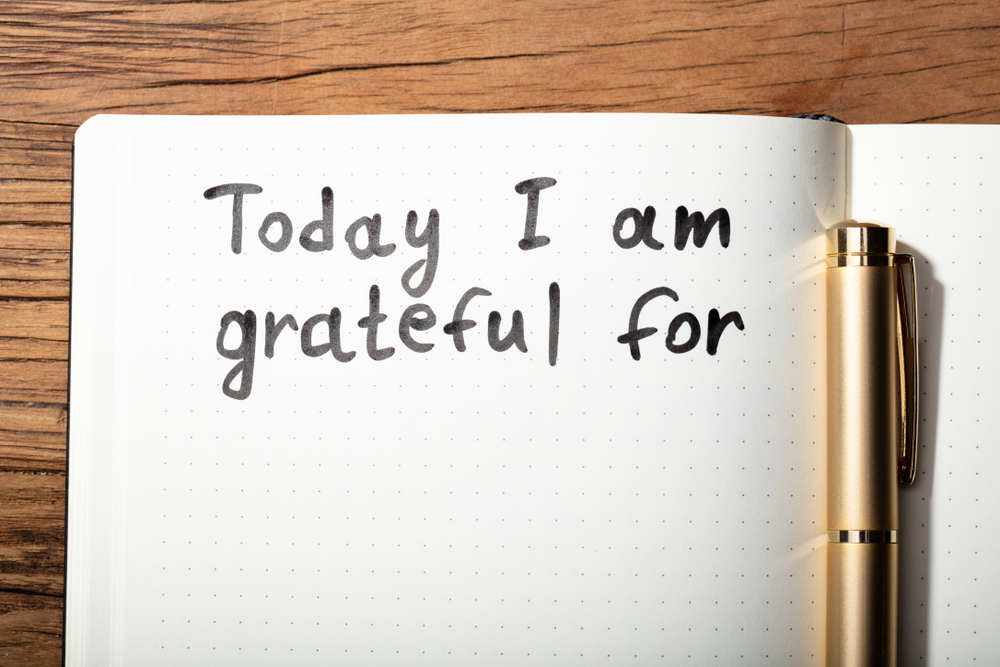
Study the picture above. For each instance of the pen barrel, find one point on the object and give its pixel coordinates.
(862, 492)
(861, 604)
(862, 401)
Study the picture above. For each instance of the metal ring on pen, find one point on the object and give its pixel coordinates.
(860, 259)
(862, 536)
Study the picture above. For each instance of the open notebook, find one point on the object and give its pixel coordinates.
(504, 389)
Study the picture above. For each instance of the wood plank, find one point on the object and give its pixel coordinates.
(26, 191)
(18, 489)
(41, 418)
(32, 530)
(30, 629)
(25, 264)
(863, 61)
(33, 165)
(35, 289)
(21, 264)
(33, 451)
(35, 132)
(37, 153)
(33, 349)
(45, 213)
(35, 237)
(44, 320)
(33, 381)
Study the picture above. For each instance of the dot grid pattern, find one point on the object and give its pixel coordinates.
(938, 186)
(474, 507)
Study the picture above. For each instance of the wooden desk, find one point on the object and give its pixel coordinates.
(65, 61)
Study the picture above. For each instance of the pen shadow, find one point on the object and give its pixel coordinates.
(915, 501)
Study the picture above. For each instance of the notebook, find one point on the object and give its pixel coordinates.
(515, 389)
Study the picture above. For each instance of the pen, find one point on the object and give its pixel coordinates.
(871, 436)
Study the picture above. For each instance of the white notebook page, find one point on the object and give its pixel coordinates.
(939, 187)
(446, 506)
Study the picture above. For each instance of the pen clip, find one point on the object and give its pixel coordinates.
(906, 337)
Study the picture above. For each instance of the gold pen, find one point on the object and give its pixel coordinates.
(871, 436)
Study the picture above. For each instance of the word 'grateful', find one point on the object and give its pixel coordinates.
(417, 317)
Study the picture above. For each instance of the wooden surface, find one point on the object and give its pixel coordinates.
(63, 61)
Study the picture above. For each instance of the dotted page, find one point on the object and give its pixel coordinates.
(499, 469)
(938, 186)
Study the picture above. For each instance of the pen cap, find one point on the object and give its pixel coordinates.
(853, 243)
(862, 402)
(863, 244)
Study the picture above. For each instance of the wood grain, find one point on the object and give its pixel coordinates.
(864, 62)
(63, 61)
